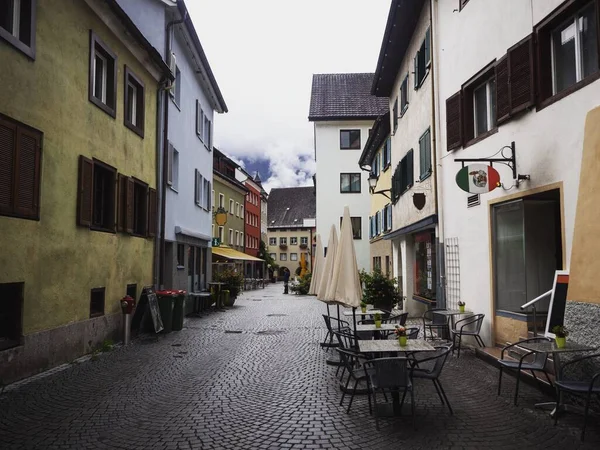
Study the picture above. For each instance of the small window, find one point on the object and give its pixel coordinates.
(395, 119)
(230, 236)
(237, 209)
(304, 240)
(237, 237)
(293, 241)
(207, 189)
(231, 207)
(132, 291)
(272, 241)
(282, 241)
(17, 24)
(20, 160)
(404, 96)
(181, 255)
(350, 183)
(293, 256)
(356, 226)
(199, 121)
(97, 302)
(242, 211)
(222, 234)
(97, 195)
(387, 153)
(173, 170)
(221, 201)
(350, 139)
(422, 61)
(207, 133)
(283, 257)
(274, 256)
(11, 314)
(134, 103)
(484, 106)
(103, 76)
(176, 89)
(425, 155)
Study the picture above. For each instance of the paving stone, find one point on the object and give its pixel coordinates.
(265, 387)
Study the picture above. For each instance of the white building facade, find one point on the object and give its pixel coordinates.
(340, 134)
(404, 74)
(532, 83)
(186, 154)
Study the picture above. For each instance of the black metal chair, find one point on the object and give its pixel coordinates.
(389, 374)
(437, 322)
(412, 333)
(346, 341)
(578, 387)
(352, 362)
(333, 323)
(538, 362)
(398, 319)
(430, 368)
(469, 326)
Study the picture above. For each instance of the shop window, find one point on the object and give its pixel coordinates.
(97, 302)
(425, 271)
(11, 314)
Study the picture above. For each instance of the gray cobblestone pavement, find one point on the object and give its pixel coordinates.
(254, 377)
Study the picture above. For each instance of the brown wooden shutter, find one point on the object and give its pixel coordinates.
(520, 70)
(84, 194)
(8, 142)
(27, 180)
(122, 202)
(129, 202)
(152, 212)
(454, 122)
(502, 91)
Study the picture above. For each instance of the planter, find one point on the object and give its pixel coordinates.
(378, 324)
(402, 340)
(303, 246)
(461, 308)
(363, 309)
(283, 247)
(560, 342)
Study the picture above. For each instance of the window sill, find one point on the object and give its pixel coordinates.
(112, 112)
(403, 111)
(137, 130)
(16, 43)
(481, 137)
(207, 147)
(102, 230)
(174, 102)
(386, 167)
(20, 216)
(425, 176)
(95, 315)
(350, 192)
(556, 97)
(424, 78)
(173, 189)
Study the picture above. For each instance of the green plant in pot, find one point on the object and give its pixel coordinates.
(379, 290)
(233, 282)
(363, 307)
(560, 333)
(377, 318)
(461, 307)
(303, 285)
(400, 333)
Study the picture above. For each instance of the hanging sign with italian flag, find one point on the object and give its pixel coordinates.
(478, 178)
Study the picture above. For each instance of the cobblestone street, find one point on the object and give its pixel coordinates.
(254, 377)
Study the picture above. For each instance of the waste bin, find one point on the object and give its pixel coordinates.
(179, 310)
(166, 303)
(225, 298)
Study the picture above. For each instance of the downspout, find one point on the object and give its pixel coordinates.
(165, 155)
(441, 266)
(160, 191)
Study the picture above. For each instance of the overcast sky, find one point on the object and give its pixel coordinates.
(263, 54)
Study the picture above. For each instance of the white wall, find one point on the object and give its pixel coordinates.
(149, 17)
(331, 161)
(548, 142)
(411, 127)
(181, 208)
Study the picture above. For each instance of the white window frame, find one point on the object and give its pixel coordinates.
(174, 169)
(283, 241)
(16, 20)
(221, 233)
(283, 257)
(221, 200)
(294, 254)
(213, 198)
(231, 236)
(242, 211)
(242, 239)
(271, 239)
(237, 209)
(488, 106)
(104, 76)
(294, 240)
(303, 240)
(133, 101)
(237, 238)
(231, 207)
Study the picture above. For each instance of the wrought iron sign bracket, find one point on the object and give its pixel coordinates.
(510, 161)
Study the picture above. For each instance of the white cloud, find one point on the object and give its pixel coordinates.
(263, 54)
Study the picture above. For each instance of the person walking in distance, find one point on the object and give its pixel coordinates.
(286, 279)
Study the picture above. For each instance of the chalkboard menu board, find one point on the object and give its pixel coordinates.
(558, 301)
(153, 308)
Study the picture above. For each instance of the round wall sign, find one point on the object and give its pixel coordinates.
(478, 178)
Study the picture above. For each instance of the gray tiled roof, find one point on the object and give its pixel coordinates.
(344, 96)
(301, 202)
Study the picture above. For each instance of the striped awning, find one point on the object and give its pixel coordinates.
(230, 253)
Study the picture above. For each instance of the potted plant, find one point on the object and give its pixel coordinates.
(400, 332)
(379, 290)
(560, 333)
(303, 285)
(377, 318)
(363, 307)
(461, 307)
(233, 283)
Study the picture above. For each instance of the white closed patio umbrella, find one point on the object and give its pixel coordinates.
(318, 267)
(344, 285)
(328, 267)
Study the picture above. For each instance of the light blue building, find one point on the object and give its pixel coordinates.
(184, 152)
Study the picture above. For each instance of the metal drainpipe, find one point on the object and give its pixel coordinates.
(436, 175)
(159, 185)
(161, 277)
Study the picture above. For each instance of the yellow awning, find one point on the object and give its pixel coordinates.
(230, 253)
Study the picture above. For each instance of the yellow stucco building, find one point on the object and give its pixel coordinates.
(77, 178)
(377, 156)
